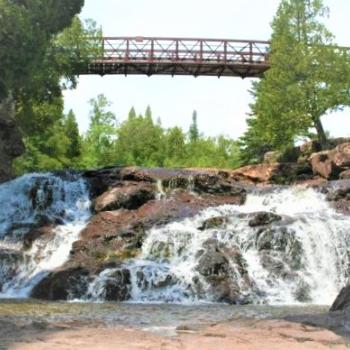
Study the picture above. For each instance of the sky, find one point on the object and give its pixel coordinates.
(222, 104)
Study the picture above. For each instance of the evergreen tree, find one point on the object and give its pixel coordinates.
(193, 132)
(72, 132)
(309, 76)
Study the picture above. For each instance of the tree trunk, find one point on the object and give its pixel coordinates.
(321, 135)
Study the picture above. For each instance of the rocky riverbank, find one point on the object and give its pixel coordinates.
(129, 202)
(267, 233)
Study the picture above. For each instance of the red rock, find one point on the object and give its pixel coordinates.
(329, 164)
(323, 165)
(260, 173)
(341, 155)
(128, 195)
(345, 175)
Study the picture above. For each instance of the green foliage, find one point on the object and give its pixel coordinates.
(27, 28)
(309, 77)
(140, 141)
(98, 143)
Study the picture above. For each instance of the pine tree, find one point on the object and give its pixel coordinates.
(193, 132)
(308, 77)
(72, 132)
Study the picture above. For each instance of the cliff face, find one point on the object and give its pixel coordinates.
(11, 144)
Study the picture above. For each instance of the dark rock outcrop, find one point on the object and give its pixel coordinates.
(117, 286)
(62, 284)
(342, 301)
(225, 272)
(263, 218)
(211, 223)
(127, 195)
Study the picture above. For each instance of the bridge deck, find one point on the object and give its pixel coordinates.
(175, 56)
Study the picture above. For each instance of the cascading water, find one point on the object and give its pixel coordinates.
(60, 203)
(303, 256)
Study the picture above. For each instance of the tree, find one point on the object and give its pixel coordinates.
(309, 76)
(140, 141)
(72, 132)
(99, 140)
(193, 132)
(27, 28)
(175, 147)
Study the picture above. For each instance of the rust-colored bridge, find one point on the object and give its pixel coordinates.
(176, 56)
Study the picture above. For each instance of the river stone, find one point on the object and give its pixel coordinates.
(117, 285)
(263, 218)
(71, 283)
(224, 271)
(211, 223)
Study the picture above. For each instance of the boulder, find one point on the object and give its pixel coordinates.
(211, 223)
(260, 173)
(263, 218)
(117, 285)
(342, 301)
(323, 165)
(70, 283)
(331, 163)
(224, 271)
(127, 195)
(45, 232)
(341, 155)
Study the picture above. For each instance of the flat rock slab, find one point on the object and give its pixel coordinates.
(239, 335)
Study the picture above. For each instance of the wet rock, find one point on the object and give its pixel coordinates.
(211, 223)
(215, 184)
(342, 301)
(70, 283)
(45, 232)
(117, 285)
(336, 195)
(9, 263)
(127, 195)
(224, 270)
(263, 218)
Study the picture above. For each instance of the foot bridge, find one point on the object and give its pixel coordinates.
(179, 56)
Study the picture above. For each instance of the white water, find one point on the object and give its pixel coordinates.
(167, 269)
(24, 203)
(302, 258)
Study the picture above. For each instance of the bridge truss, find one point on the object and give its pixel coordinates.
(178, 56)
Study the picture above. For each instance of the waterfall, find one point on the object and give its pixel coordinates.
(58, 203)
(283, 246)
(301, 257)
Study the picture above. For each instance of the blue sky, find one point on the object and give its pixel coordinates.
(222, 104)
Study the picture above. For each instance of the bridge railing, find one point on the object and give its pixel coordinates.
(178, 50)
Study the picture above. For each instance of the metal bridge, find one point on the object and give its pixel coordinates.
(180, 56)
